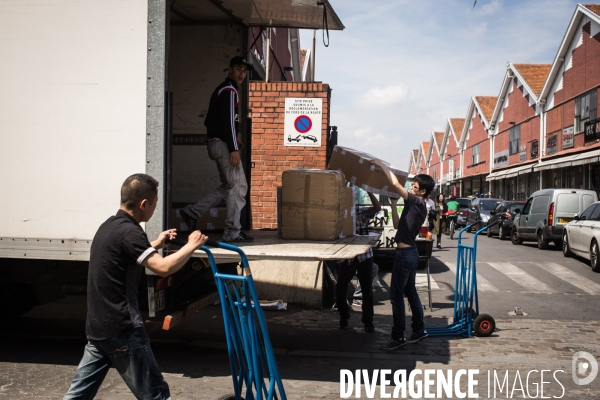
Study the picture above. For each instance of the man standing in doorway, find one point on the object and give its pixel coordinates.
(224, 146)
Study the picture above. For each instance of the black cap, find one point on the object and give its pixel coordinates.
(239, 60)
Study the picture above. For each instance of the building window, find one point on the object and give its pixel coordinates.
(475, 155)
(515, 135)
(585, 110)
(534, 149)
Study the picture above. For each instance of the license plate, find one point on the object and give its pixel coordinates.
(564, 221)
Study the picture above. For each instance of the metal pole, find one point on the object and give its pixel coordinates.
(313, 53)
(268, 54)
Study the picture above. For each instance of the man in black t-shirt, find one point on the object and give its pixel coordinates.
(407, 257)
(114, 326)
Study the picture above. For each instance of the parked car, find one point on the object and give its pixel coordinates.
(546, 212)
(465, 204)
(480, 211)
(501, 219)
(582, 235)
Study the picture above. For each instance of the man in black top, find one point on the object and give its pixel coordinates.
(222, 127)
(407, 257)
(114, 326)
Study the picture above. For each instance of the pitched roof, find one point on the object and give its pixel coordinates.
(487, 104)
(534, 74)
(415, 154)
(595, 8)
(439, 137)
(302, 58)
(457, 125)
(425, 146)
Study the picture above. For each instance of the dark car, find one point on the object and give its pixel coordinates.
(501, 219)
(479, 213)
(465, 204)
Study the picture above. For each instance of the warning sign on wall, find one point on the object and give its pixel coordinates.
(302, 122)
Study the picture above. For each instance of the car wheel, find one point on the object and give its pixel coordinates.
(594, 256)
(514, 237)
(565, 246)
(501, 235)
(542, 243)
(489, 231)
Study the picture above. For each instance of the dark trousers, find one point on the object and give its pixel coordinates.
(363, 270)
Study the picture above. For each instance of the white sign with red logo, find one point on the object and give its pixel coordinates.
(302, 123)
(568, 137)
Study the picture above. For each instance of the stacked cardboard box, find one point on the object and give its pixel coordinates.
(359, 170)
(313, 204)
(212, 220)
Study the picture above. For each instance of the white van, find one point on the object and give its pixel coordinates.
(546, 213)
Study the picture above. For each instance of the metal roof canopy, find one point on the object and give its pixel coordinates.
(302, 14)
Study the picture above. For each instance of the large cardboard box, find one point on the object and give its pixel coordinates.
(359, 171)
(212, 220)
(349, 224)
(312, 204)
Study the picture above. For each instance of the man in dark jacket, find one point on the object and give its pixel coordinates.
(224, 145)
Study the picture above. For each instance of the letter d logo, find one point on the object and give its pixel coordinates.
(581, 367)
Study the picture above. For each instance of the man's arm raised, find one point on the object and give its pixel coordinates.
(392, 179)
(165, 266)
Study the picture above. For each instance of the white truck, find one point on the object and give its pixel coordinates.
(94, 91)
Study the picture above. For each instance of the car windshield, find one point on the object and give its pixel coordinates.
(464, 203)
(488, 204)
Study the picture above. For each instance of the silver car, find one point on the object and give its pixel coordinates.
(582, 235)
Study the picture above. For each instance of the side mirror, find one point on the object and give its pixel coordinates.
(576, 217)
(492, 213)
(517, 211)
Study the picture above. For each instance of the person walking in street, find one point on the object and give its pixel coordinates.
(439, 225)
(406, 260)
(362, 267)
(114, 325)
(224, 146)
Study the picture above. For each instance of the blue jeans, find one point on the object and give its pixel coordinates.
(131, 355)
(403, 284)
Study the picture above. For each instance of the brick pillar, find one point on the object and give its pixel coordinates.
(268, 153)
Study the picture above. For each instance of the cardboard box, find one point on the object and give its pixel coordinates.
(312, 204)
(212, 220)
(359, 171)
(349, 224)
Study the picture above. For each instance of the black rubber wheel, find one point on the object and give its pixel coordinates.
(541, 242)
(565, 246)
(484, 325)
(514, 237)
(501, 234)
(594, 257)
(489, 232)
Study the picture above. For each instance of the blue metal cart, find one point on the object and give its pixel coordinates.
(253, 367)
(466, 301)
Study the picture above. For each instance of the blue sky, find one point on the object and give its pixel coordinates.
(401, 68)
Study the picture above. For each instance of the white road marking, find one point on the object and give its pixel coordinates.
(421, 281)
(522, 278)
(573, 278)
(483, 285)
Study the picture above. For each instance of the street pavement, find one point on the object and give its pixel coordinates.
(559, 298)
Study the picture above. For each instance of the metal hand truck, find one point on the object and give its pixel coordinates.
(251, 358)
(466, 301)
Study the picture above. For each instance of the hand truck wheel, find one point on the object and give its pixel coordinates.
(484, 325)
(228, 397)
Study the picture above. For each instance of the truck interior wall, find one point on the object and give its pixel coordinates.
(73, 104)
(197, 56)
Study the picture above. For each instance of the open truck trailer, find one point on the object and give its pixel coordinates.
(94, 91)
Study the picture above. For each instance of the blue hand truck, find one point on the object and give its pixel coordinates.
(253, 367)
(466, 301)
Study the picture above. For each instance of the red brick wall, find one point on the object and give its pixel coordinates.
(269, 155)
(477, 135)
(434, 161)
(451, 152)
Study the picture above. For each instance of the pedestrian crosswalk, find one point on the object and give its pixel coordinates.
(520, 278)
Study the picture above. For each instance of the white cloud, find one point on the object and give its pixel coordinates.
(385, 96)
(474, 31)
(488, 9)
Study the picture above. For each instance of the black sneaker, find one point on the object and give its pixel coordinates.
(242, 237)
(416, 336)
(369, 328)
(394, 345)
(189, 220)
(344, 321)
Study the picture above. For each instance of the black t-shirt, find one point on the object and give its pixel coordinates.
(412, 217)
(118, 250)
